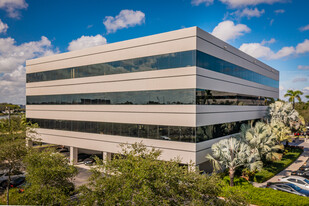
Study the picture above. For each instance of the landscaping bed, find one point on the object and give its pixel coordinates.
(263, 196)
(271, 169)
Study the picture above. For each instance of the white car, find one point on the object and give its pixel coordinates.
(301, 182)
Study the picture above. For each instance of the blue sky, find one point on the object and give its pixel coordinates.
(274, 31)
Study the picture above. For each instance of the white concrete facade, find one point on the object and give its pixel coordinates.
(191, 77)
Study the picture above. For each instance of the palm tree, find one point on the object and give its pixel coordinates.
(233, 153)
(281, 132)
(261, 138)
(293, 94)
(282, 112)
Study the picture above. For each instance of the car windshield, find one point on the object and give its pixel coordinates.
(307, 181)
(294, 187)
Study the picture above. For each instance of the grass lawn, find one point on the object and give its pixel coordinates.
(263, 196)
(275, 167)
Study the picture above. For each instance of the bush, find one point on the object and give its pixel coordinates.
(272, 168)
(263, 196)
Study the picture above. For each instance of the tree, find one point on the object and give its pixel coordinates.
(136, 176)
(50, 176)
(307, 96)
(282, 112)
(13, 134)
(293, 95)
(281, 131)
(232, 153)
(261, 138)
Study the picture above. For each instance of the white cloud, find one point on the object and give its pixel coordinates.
(3, 27)
(125, 19)
(244, 3)
(12, 70)
(283, 52)
(306, 90)
(12, 7)
(302, 47)
(281, 88)
(271, 41)
(302, 67)
(304, 28)
(249, 13)
(300, 79)
(279, 11)
(86, 42)
(258, 50)
(227, 30)
(198, 2)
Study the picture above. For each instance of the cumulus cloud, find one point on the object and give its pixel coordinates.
(302, 47)
(300, 79)
(125, 19)
(3, 27)
(198, 2)
(12, 70)
(271, 41)
(249, 13)
(279, 11)
(258, 50)
(304, 28)
(227, 30)
(244, 3)
(303, 67)
(12, 7)
(306, 90)
(86, 42)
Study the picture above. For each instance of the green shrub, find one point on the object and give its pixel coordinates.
(271, 169)
(263, 196)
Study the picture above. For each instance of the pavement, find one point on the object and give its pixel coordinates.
(294, 166)
(83, 175)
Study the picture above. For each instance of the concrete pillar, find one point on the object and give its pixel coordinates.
(29, 143)
(107, 156)
(73, 155)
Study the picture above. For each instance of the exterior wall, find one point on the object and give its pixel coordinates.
(166, 79)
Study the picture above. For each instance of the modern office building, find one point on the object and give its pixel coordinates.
(179, 91)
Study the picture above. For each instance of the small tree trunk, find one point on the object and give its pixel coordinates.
(286, 143)
(8, 191)
(232, 173)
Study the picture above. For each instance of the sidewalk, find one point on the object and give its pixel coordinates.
(294, 166)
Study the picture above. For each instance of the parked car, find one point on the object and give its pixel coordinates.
(63, 150)
(82, 157)
(15, 181)
(4, 177)
(305, 167)
(288, 187)
(91, 160)
(301, 182)
(301, 173)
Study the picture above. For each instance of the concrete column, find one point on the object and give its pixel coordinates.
(29, 143)
(73, 155)
(107, 156)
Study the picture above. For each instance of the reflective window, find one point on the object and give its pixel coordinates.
(171, 133)
(209, 62)
(179, 96)
(211, 97)
(165, 61)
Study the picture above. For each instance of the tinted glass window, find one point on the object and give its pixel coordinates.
(171, 133)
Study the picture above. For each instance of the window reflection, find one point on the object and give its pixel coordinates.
(181, 96)
(170, 133)
(165, 61)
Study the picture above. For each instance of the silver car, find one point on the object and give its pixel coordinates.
(288, 187)
(301, 182)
